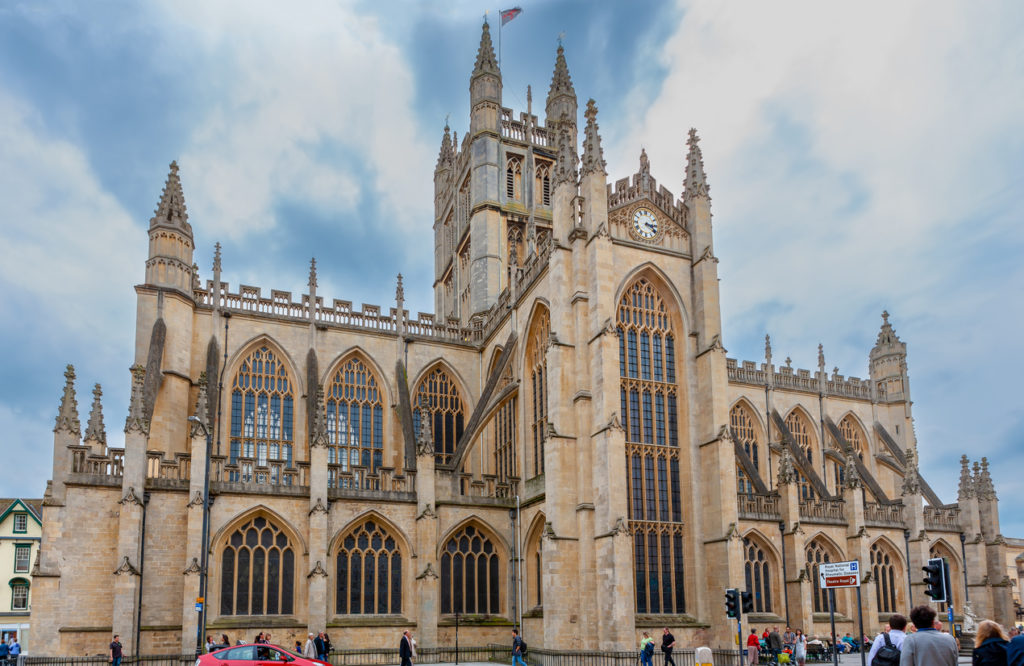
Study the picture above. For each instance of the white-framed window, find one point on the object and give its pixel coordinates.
(21, 522)
(22, 555)
(19, 596)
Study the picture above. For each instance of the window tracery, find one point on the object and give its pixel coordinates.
(543, 183)
(514, 178)
(368, 571)
(540, 333)
(801, 432)
(470, 574)
(757, 571)
(257, 570)
(743, 429)
(438, 397)
(884, 572)
(648, 394)
(355, 420)
(816, 554)
(261, 419)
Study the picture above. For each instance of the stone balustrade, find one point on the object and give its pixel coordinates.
(758, 507)
(829, 511)
(942, 518)
(883, 515)
(749, 372)
(85, 462)
(178, 469)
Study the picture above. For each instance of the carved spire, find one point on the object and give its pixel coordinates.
(170, 212)
(216, 258)
(767, 349)
(787, 473)
(486, 62)
(852, 476)
(67, 413)
(561, 82)
(593, 154)
(399, 291)
(696, 184)
(196, 283)
(986, 489)
(137, 420)
(966, 489)
(565, 170)
(911, 475)
(94, 430)
(446, 155)
(319, 437)
(201, 424)
(821, 358)
(312, 284)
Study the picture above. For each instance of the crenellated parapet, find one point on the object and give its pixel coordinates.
(797, 379)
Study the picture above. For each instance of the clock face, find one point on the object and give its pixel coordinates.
(645, 224)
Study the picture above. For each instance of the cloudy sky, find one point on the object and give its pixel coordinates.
(862, 156)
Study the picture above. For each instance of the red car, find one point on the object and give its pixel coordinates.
(253, 654)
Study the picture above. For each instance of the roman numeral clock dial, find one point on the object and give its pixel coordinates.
(645, 224)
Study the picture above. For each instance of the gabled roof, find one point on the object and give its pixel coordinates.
(34, 507)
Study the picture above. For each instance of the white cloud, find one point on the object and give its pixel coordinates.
(295, 87)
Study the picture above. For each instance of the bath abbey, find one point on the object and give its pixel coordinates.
(564, 445)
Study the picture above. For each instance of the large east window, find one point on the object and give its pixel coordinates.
(648, 395)
(355, 420)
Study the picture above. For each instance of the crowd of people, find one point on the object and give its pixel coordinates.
(10, 649)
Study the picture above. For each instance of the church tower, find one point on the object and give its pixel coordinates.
(170, 239)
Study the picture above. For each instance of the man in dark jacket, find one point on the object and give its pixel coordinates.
(774, 643)
(320, 645)
(405, 649)
(668, 641)
(1015, 651)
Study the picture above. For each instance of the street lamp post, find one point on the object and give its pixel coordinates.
(204, 555)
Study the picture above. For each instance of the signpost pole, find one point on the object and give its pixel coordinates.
(860, 621)
(832, 620)
(739, 635)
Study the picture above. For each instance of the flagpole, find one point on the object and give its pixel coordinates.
(501, 22)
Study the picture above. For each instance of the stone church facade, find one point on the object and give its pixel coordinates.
(564, 445)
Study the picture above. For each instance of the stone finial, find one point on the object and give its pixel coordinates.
(768, 349)
(696, 183)
(852, 478)
(911, 474)
(201, 424)
(425, 437)
(593, 153)
(67, 413)
(787, 473)
(312, 284)
(821, 358)
(196, 284)
(319, 436)
(561, 82)
(986, 489)
(171, 212)
(486, 62)
(399, 292)
(888, 343)
(94, 430)
(446, 155)
(137, 421)
(966, 489)
(216, 259)
(565, 170)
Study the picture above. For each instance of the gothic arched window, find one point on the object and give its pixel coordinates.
(470, 574)
(543, 189)
(257, 571)
(800, 429)
(648, 394)
(369, 572)
(817, 554)
(743, 427)
(757, 570)
(261, 419)
(355, 420)
(514, 178)
(438, 397)
(883, 571)
(852, 433)
(537, 367)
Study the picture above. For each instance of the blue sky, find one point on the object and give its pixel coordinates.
(861, 158)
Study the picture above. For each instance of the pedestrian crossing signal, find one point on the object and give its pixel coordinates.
(732, 602)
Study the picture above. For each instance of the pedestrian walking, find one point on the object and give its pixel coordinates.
(668, 641)
(405, 648)
(799, 647)
(774, 643)
(753, 646)
(320, 645)
(328, 646)
(309, 649)
(646, 650)
(990, 645)
(116, 651)
(887, 646)
(517, 649)
(927, 647)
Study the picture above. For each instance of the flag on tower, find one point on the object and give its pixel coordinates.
(509, 14)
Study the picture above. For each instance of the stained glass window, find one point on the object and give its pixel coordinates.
(884, 572)
(369, 572)
(438, 397)
(257, 571)
(261, 419)
(537, 366)
(758, 572)
(355, 420)
(470, 576)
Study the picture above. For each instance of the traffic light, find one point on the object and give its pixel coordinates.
(748, 602)
(935, 579)
(732, 602)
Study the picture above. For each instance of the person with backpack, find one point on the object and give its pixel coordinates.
(518, 648)
(647, 650)
(887, 645)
